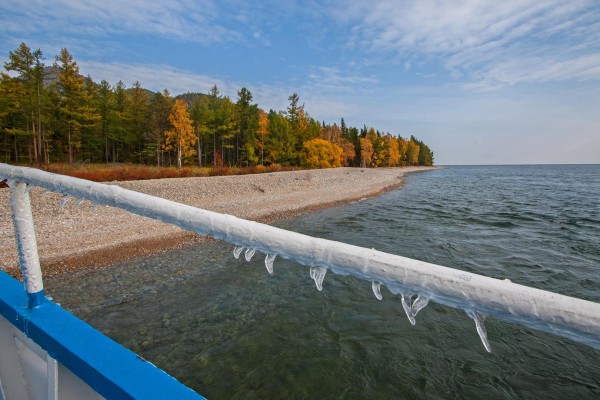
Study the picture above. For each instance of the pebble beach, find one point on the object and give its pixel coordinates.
(88, 236)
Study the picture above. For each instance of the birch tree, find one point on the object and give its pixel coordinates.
(181, 137)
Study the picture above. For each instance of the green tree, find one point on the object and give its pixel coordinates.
(247, 122)
(159, 109)
(73, 100)
(214, 100)
(137, 118)
(201, 117)
(12, 117)
(281, 142)
(119, 122)
(105, 107)
(29, 87)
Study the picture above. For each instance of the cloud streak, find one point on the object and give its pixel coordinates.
(486, 44)
(196, 21)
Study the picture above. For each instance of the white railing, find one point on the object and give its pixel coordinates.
(478, 295)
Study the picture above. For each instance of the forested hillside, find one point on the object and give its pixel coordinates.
(52, 114)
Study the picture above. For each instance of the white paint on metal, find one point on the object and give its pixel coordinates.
(562, 315)
(2, 396)
(25, 236)
(28, 372)
(52, 373)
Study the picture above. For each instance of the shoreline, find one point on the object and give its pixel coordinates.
(87, 237)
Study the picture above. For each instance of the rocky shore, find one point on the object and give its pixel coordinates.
(91, 236)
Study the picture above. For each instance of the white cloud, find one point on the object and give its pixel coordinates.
(333, 78)
(485, 43)
(192, 20)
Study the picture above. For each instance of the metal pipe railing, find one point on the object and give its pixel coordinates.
(26, 242)
(478, 295)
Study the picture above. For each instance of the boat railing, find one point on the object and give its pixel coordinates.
(478, 295)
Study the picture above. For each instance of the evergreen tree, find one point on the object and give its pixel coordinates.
(201, 116)
(281, 141)
(73, 100)
(76, 118)
(159, 108)
(247, 122)
(137, 119)
(29, 88)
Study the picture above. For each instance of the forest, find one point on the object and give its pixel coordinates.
(53, 114)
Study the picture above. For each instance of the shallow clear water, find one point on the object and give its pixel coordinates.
(228, 329)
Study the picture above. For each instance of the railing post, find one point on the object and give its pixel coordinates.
(26, 243)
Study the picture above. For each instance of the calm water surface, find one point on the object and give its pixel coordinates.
(229, 330)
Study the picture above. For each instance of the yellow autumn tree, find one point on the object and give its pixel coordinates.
(403, 147)
(181, 136)
(412, 153)
(366, 152)
(263, 130)
(392, 151)
(320, 153)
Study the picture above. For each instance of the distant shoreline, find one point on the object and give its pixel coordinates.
(85, 236)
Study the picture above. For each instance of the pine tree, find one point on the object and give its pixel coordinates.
(137, 117)
(105, 104)
(247, 122)
(30, 68)
(200, 114)
(159, 109)
(73, 100)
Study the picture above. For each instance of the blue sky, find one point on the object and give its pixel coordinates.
(482, 82)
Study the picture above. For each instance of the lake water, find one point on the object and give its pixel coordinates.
(228, 329)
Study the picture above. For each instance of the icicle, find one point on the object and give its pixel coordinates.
(317, 273)
(28, 187)
(249, 253)
(408, 308)
(376, 286)
(479, 319)
(419, 304)
(64, 200)
(237, 251)
(80, 202)
(269, 262)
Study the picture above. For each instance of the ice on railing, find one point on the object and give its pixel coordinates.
(249, 254)
(237, 251)
(317, 273)
(412, 308)
(479, 319)
(376, 286)
(538, 309)
(64, 200)
(269, 259)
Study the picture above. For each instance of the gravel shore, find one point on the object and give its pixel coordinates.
(84, 235)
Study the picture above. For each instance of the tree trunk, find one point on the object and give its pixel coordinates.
(35, 141)
(39, 121)
(179, 154)
(214, 149)
(199, 150)
(70, 146)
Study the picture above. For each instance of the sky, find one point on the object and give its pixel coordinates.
(481, 82)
